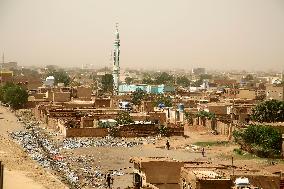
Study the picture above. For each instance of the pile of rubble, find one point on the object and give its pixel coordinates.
(72, 143)
(38, 143)
(45, 153)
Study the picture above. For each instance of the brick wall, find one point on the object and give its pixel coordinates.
(144, 130)
(141, 130)
(86, 132)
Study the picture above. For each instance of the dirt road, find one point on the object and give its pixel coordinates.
(20, 170)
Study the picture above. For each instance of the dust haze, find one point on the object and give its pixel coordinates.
(219, 34)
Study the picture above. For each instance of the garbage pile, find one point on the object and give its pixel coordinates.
(90, 176)
(72, 143)
(76, 171)
(36, 143)
(44, 152)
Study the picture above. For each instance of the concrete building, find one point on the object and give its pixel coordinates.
(166, 173)
(275, 92)
(151, 89)
(6, 77)
(156, 172)
(9, 65)
(49, 81)
(61, 96)
(220, 108)
(84, 93)
(246, 94)
(124, 88)
(210, 176)
(198, 71)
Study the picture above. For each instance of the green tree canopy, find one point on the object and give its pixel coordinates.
(166, 100)
(107, 83)
(129, 80)
(148, 80)
(124, 118)
(269, 111)
(183, 81)
(189, 117)
(14, 95)
(203, 114)
(261, 140)
(205, 76)
(3, 90)
(138, 96)
(197, 83)
(60, 77)
(249, 77)
(164, 78)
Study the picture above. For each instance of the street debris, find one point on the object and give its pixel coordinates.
(38, 143)
(72, 143)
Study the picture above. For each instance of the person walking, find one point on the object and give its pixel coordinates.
(108, 181)
(168, 145)
(203, 152)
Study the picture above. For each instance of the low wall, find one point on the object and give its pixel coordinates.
(176, 131)
(145, 130)
(86, 132)
(221, 127)
(141, 130)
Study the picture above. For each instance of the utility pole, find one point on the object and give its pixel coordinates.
(233, 165)
(1, 175)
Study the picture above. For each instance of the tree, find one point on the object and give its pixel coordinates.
(166, 100)
(14, 95)
(124, 118)
(197, 83)
(3, 90)
(148, 80)
(164, 78)
(269, 111)
(203, 114)
(163, 130)
(60, 77)
(189, 117)
(138, 96)
(107, 83)
(264, 141)
(249, 77)
(205, 76)
(51, 68)
(183, 81)
(128, 80)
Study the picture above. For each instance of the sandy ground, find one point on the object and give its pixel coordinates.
(117, 158)
(20, 170)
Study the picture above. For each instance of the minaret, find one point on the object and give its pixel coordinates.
(116, 68)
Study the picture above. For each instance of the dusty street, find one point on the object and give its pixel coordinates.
(20, 170)
(91, 159)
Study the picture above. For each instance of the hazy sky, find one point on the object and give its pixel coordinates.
(216, 34)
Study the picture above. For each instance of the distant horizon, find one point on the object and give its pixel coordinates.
(159, 70)
(220, 35)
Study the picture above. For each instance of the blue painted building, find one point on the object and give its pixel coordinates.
(151, 89)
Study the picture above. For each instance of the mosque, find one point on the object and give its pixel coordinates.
(119, 89)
